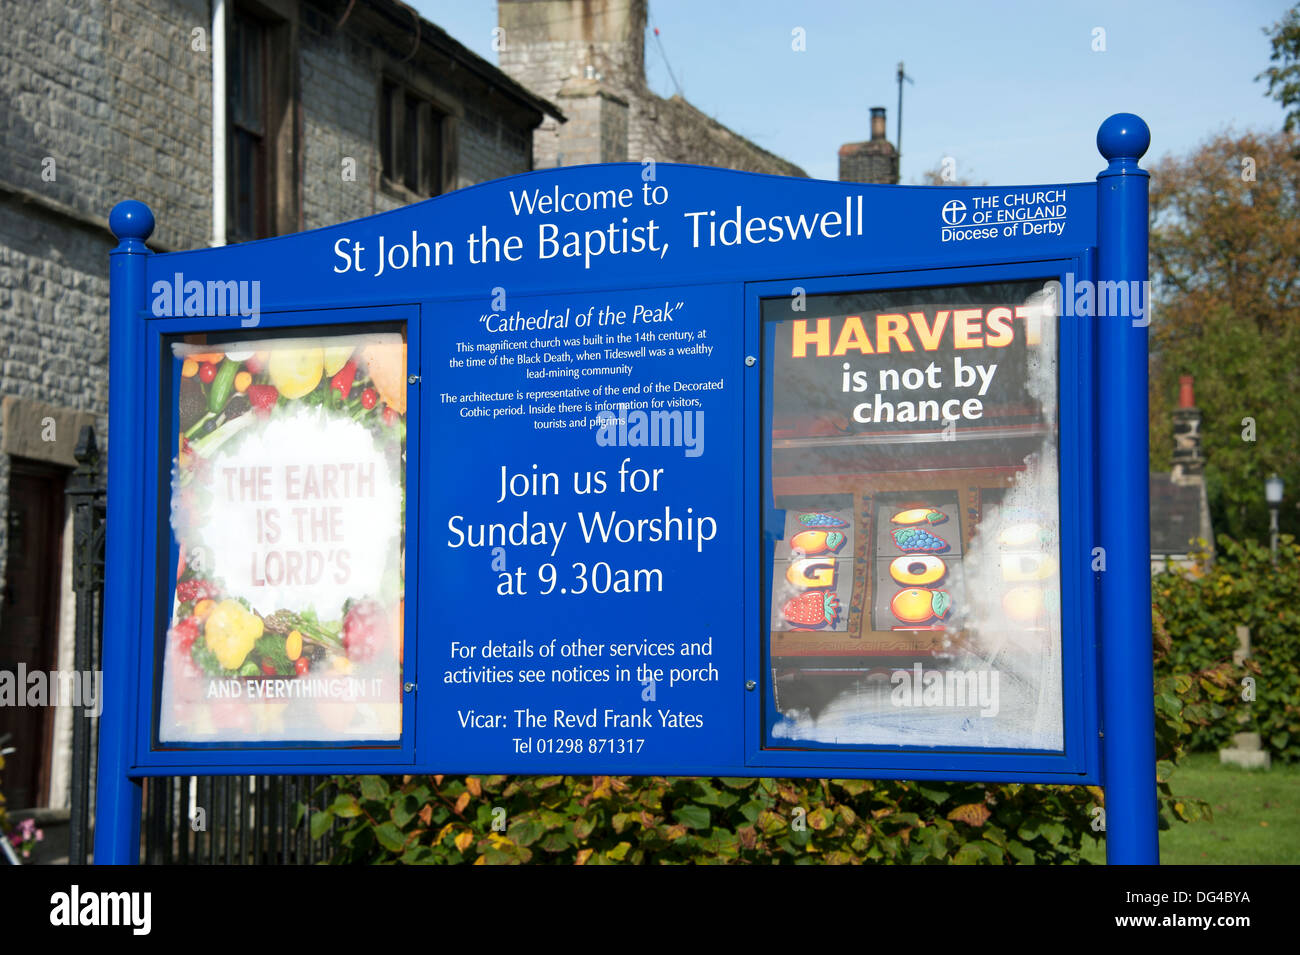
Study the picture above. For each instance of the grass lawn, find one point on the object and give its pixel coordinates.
(1256, 816)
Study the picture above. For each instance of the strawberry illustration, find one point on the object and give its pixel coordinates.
(812, 609)
(263, 398)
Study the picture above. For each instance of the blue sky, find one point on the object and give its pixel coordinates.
(1012, 91)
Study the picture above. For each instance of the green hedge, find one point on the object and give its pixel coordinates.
(1201, 612)
(669, 820)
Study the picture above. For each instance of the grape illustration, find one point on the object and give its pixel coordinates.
(918, 540)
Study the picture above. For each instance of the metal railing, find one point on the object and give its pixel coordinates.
(232, 820)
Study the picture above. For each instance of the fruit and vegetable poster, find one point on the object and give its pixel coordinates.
(288, 513)
(913, 519)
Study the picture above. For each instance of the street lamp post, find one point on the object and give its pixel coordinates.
(1273, 494)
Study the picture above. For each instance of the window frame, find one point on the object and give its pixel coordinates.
(431, 149)
(278, 208)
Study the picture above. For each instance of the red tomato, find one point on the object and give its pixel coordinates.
(207, 371)
(268, 668)
(301, 666)
(368, 398)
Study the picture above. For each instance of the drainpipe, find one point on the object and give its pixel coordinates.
(218, 122)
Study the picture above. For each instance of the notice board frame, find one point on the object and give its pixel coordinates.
(1120, 684)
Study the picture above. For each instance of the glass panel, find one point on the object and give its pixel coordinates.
(288, 512)
(244, 190)
(912, 519)
(246, 121)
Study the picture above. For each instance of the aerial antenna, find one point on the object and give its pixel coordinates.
(659, 41)
(899, 145)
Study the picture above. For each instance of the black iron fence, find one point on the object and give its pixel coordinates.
(187, 820)
(86, 496)
(232, 820)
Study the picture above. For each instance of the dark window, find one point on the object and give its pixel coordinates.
(249, 192)
(30, 628)
(410, 140)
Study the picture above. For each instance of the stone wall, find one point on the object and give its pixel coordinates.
(54, 306)
(341, 72)
(595, 127)
(550, 43)
(672, 130)
(340, 101)
(489, 148)
(546, 44)
(116, 97)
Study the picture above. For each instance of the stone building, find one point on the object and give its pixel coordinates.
(332, 110)
(589, 56)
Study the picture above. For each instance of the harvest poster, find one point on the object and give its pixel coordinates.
(288, 511)
(913, 519)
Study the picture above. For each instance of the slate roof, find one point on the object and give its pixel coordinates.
(1175, 515)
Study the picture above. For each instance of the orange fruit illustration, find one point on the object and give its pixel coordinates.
(912, 605)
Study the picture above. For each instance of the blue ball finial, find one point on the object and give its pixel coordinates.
(1123, 136)
(131, 219)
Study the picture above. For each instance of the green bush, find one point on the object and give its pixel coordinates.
(1201, 612)
(667, 820)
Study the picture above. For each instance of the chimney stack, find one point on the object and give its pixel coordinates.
(877, 123)
(1188, 459)
(875, 160)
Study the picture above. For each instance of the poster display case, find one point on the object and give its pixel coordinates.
(913, 453)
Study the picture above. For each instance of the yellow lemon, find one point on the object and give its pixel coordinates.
(918, 515)
(336, 357)
(1025, 534)
(296, 371)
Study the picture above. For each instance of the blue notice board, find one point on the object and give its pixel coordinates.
(639, 469)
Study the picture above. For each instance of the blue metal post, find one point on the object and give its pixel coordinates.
(1127, 695)
(117, 798)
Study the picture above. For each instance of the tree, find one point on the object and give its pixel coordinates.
(1225, 265)
(1284, 78)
